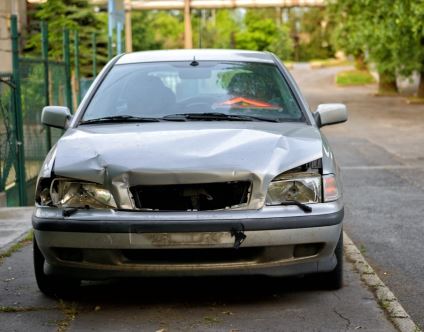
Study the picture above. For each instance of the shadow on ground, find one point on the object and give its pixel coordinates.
(237, 289)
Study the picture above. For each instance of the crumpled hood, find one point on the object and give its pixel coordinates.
(123, 155)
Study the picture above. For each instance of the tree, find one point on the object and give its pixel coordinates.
(315, 38)
(157, 30)
(409, 35)
(348, 29)
(74, 15)
(262, 33)
(218, 28)
(142, 35)
(369, 26)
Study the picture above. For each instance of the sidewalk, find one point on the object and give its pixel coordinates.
(14, 224)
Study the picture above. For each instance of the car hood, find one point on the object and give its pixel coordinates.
(123, 155)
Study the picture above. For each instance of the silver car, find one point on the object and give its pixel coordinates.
(189, 162)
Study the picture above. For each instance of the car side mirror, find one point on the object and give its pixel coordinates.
(328, 114)
(56, 116)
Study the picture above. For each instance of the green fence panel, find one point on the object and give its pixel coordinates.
(57, 79)
(7, 141)
(24, 141)
(32, 76)
(85, 84)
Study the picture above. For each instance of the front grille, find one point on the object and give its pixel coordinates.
(191, 197)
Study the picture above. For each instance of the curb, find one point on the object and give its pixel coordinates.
(385, 298)
(16, 240)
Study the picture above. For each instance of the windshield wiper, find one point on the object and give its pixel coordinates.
(213, 116)
(304, 207)
(120, 118)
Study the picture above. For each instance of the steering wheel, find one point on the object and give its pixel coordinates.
(198, 102)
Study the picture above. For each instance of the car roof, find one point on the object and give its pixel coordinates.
(197, 54)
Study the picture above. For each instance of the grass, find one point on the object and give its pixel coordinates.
(354, 77)
(385, 93)
(325, 63)
(70, 311)
(8, 309)
(17, 246)
(415, 100)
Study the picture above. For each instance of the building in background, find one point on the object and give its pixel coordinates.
(7, 8)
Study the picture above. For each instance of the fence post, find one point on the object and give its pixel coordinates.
(94, 42)
(67, 60)
(20, 176)
(109, 47)
(45, 54)
(77, 66)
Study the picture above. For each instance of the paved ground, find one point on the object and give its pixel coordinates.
(14, 223)
(383, 166)
(212, 304)
(381, 152)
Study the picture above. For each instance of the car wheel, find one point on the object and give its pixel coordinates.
(52, 286)
(334, 280)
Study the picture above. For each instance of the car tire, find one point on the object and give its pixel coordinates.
(333, 280)
(52, 286)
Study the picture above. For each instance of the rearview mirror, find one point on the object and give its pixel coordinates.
(55, 116)
(327, 114)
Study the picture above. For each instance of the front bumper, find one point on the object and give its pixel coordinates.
(94, 244)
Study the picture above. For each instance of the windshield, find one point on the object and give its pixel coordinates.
(167, 88)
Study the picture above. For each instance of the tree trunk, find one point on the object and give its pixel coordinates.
(387, 83)
(360, 63)
(420, 92)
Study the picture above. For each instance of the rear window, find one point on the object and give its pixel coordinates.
(164, 88)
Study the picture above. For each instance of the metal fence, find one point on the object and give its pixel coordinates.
(7, 136)
(33, 84)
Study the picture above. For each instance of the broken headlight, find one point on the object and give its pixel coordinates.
(302, 187)
(73, 194)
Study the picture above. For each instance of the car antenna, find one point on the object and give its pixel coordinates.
(194, 63)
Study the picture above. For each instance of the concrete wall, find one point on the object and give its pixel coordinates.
(7, 8)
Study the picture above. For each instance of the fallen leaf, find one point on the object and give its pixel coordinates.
(229, 313)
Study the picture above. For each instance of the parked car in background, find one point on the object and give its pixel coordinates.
(189, 162)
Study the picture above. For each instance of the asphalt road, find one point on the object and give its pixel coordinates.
(384, 195)
(203, 304)
(381, 153)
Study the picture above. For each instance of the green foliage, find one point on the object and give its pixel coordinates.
(212, 29)
(262, 33)
(74, 15)
(215, 28)
(316, 28)
(348, 32)
(157, 30)
(390, 32)
(143, 37)
(409, 35)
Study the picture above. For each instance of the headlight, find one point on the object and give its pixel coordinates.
(75, 194)
(302, 187)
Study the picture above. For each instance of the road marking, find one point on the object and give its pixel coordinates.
(385, 297)
(381, 167)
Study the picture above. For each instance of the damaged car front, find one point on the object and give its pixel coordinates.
(195, 162)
